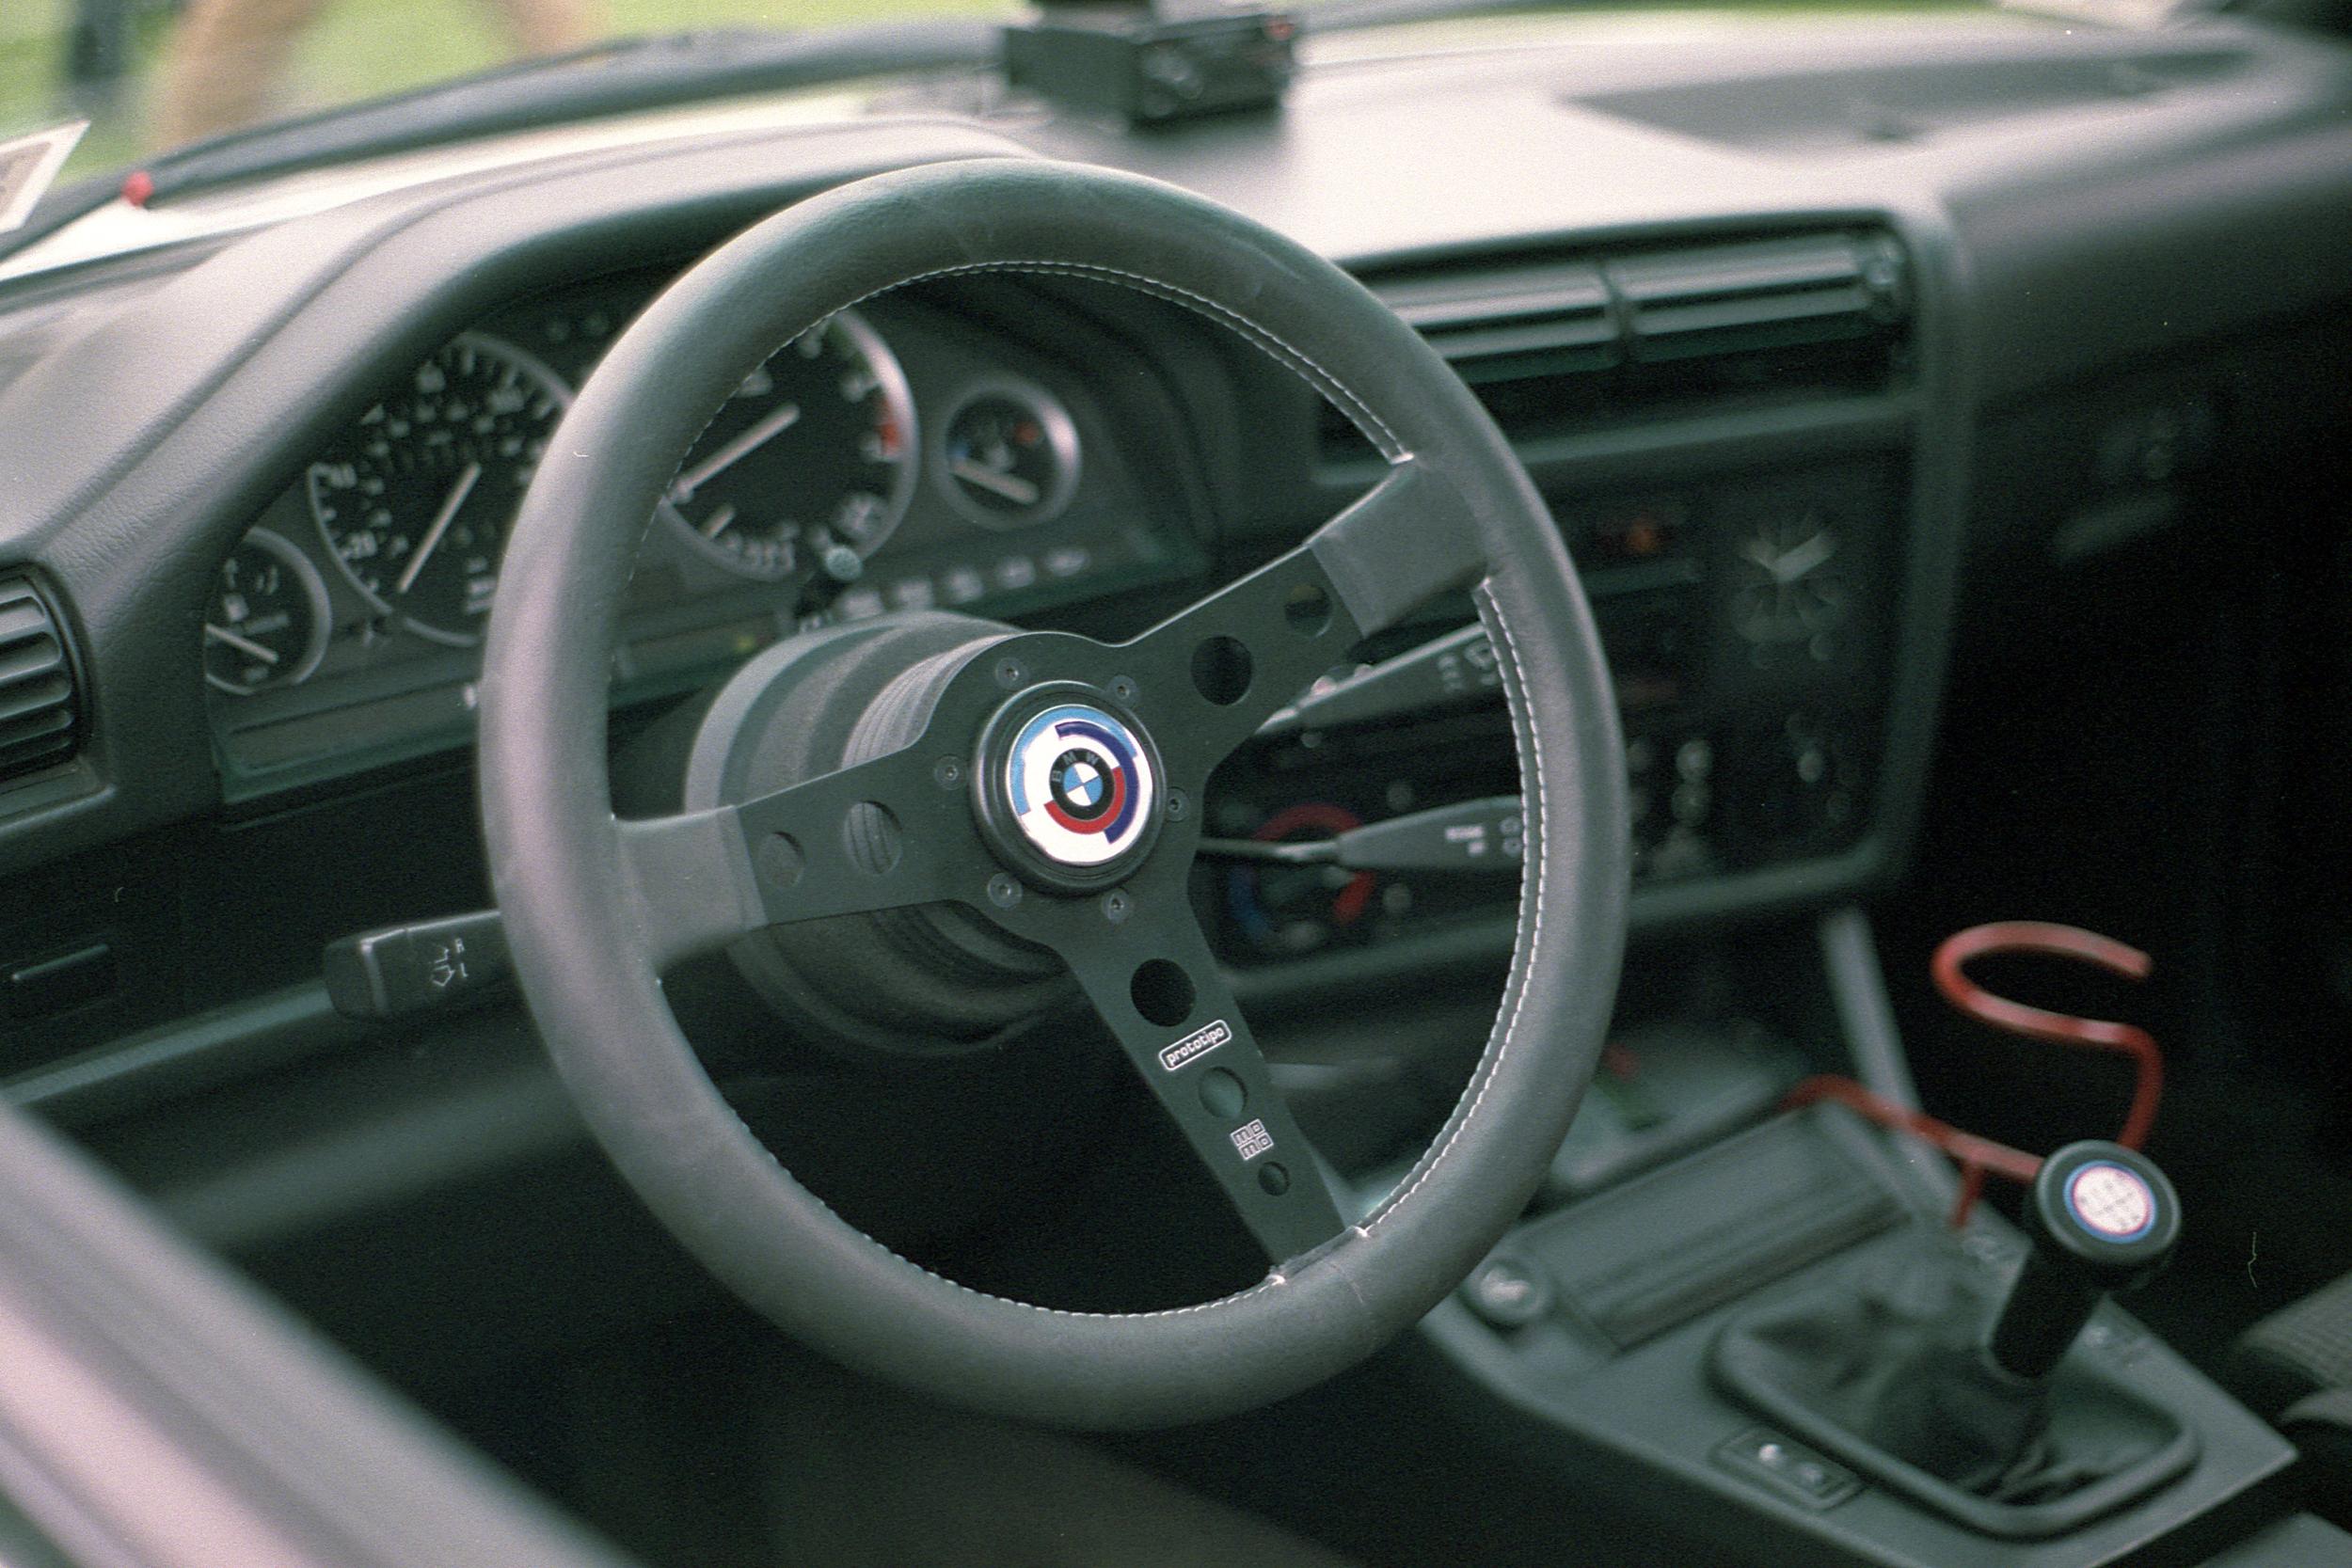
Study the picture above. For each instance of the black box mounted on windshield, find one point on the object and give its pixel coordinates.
(1152, 64)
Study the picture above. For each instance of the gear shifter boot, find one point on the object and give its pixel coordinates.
(1886, 1370)
(1895, 1362)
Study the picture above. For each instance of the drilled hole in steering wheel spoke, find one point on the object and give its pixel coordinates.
(780, 860)
(1162, 992)
(1221, 670)
(1306, 609)
(871, 835)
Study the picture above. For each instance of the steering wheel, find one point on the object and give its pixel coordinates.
(1049, 787)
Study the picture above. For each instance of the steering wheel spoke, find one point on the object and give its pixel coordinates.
(1401, 544)
(1218, 671)
(1154, 982)
(878, 835)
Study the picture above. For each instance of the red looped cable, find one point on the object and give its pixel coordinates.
(1980, 1157)
(1965, 1146)
(1976, 1156)
(2060, 942)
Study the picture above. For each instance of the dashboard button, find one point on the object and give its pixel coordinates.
(1788, 1467)
(1508, 1291)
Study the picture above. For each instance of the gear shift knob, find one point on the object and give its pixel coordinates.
(2103, 1219)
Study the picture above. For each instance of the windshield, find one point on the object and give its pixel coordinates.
(152, 75)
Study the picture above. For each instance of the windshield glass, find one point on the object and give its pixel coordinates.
(156, 74)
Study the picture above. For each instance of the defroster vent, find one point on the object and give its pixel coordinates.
(40, 715)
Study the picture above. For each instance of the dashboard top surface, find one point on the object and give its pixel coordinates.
(1365, 159)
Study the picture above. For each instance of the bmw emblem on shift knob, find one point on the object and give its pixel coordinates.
(1080, 785)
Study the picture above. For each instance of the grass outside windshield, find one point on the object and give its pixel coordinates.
(124, 64)
(353, 50)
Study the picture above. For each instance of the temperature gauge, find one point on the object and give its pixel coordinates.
(1007, 455)
(268, 622)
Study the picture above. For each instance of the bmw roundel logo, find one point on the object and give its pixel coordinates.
(1079, 784)
(2112, 1203)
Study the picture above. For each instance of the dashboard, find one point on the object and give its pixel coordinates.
(917, 455)
(1787, 400)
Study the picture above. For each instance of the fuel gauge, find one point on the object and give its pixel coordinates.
(1007, 455)
(268, 622)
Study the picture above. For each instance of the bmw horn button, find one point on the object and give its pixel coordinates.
(1069, 787)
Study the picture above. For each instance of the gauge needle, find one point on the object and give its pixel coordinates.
(1012, 487)
(1805, 557)
(1784, 566)
(733, 452)
(457, 494)
(243, 644)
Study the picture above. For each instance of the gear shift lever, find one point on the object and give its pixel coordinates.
(1921, 1370)
(1922, 1373)
(2103, 1219)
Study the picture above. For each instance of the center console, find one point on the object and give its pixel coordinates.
(1759, 1321)
(1748, 442)
(1776, 1334)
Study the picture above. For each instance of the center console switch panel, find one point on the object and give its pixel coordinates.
(1751, 625)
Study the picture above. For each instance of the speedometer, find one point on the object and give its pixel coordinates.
(416, 499)
(814, 451)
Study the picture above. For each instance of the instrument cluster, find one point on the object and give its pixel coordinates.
(897, 455)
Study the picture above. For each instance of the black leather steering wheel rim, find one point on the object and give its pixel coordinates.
(590, 926)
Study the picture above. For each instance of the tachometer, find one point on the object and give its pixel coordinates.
(815, 449)
(416, 500)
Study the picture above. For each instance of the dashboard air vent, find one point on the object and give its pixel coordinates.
(1767, 295)
(1555, 313)
(39, 718)
(1613, 337)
